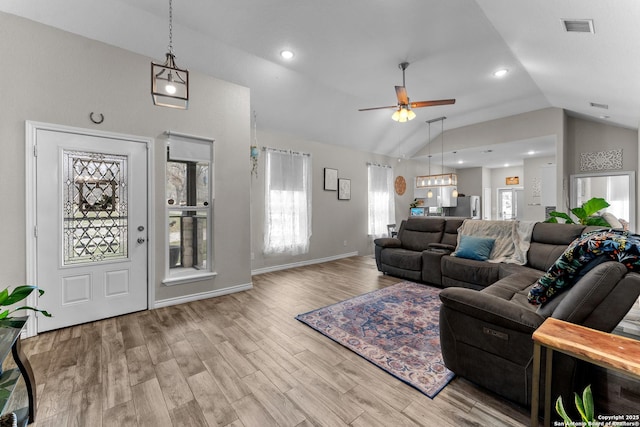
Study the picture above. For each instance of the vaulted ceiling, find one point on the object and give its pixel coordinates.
(346, 56)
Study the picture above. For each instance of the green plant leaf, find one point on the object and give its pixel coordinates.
(567, 218)
(580, 213)
(594, 205)
(587, 400)
(560, 410)
(19, 293)
(580, 407)
(26, 307)
(552, 219)
(597, 220)
(4, 314)
(4, 294)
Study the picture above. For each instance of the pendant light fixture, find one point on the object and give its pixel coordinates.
(170, 84)
(443, 179)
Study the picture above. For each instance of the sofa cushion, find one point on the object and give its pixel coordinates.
(549, 241)
(461, 270)
(515, 288)
(450, 236)
(586, 294)
(472, 247)
(417, 233)
(402, 258)
(509, 269)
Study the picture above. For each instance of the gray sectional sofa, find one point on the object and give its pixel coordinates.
(486, 322)
(420, 252)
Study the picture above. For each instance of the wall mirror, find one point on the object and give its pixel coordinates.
(617, 188)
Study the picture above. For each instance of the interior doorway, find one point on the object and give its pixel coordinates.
(510, 203)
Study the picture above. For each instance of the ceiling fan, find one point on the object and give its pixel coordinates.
(404, 106)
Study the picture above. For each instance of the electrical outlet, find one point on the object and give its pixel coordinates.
(344, 243)
(253, 256)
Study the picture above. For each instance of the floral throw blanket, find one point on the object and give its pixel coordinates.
(512, 238)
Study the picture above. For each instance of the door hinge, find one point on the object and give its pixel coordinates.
(35, 231)
(35, 151)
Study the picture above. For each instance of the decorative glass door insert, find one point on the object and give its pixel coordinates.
(94, 207)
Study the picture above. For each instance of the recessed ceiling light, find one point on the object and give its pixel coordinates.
(506, 165)
(531, 152)
(460, 162)
(501, 72)
(605, 117)
(286, 54)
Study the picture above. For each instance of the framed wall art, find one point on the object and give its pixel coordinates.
(344, 189)
(330, 179)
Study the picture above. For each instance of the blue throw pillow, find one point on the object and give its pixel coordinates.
(472, 247)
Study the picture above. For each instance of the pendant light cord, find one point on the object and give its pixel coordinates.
(442, 144)
(429, 144)
(171, 27)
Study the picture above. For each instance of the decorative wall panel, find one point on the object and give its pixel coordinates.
(601, 160)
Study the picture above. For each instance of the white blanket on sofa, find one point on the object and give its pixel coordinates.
(512, 238)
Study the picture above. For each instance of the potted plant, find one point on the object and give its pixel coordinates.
(585, 213)
(18, 294)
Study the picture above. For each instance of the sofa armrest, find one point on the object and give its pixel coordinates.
(388, 242)
(441, 247)
(491, 309)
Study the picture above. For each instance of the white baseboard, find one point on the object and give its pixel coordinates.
(202, 295)
(301, 263)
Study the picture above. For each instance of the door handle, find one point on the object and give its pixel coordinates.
(141, 240)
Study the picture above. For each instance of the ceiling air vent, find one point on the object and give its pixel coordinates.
(597, 105)
(578, 25)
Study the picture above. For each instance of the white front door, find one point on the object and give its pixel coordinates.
(91, 219)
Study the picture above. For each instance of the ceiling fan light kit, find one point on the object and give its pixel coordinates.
(404, 111)
(403, 114)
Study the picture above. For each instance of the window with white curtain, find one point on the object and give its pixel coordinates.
(287, 202)
(381, 202)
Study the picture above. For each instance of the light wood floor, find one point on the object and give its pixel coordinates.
(241, 360)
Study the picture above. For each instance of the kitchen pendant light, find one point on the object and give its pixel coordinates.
(169, 83)
(443, 179)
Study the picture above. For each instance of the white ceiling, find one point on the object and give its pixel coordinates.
(347, 55)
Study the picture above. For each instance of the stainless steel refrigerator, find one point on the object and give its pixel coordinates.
(468, 207)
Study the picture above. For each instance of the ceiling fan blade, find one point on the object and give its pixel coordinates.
(377, 108)
(420, 104)
(401, 93)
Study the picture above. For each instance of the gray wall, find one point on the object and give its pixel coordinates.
(334, 221)
(584, 136)
(57, 77)
(534, 210)
(470, 181)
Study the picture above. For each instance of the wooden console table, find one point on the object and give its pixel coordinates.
(599, 348)
(10, 331)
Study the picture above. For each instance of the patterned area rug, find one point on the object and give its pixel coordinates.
(395, 328)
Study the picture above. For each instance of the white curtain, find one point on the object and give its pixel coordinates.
(381, 202)
(287, 202)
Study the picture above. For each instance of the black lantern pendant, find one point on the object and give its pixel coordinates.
(170, 84)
